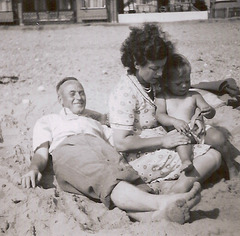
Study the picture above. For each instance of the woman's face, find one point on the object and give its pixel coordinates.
(151, 72)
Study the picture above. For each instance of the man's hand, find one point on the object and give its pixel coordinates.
(31, 179)
(38, 164)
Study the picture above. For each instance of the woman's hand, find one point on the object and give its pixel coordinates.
(174, 139)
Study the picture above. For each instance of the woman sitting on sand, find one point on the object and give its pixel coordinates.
(132, 112)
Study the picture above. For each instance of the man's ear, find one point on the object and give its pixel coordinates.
(60, 99)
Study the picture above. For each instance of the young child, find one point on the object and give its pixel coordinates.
(178, 107)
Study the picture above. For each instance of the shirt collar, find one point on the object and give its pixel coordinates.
(67, 113)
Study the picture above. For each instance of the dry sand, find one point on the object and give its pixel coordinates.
(42, 55)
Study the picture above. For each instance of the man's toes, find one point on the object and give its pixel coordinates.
(194, 201)
(180, 202)
(196, 189)
(193, 197)
(178, 212)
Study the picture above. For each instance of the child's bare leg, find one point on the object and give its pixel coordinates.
(185, 153)
(144, 206)
(204, 166)
(217, 140)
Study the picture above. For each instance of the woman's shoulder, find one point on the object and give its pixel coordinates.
(124, 86)
(127, 80)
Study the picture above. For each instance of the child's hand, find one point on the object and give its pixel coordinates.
(181, 126)
(198, 127)
(206, 111)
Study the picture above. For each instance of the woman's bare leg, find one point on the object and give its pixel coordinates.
(141, 205)
(204, 166)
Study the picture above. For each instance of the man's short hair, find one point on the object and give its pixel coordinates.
(59, 84)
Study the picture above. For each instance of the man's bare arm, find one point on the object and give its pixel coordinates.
(102, 118)
(38, 164)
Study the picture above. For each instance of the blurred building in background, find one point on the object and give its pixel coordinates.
(59, 11)
(6, 11)
(224, 8)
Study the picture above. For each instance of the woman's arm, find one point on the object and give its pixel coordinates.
(126, 141)
(38, 164)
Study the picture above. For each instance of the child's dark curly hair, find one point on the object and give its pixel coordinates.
(176, 63)
(145, 43)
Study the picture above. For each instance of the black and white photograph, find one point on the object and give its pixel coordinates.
(119, 117)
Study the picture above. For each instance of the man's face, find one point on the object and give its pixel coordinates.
(72, 96)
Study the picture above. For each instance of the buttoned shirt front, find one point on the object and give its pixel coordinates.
(54, 128)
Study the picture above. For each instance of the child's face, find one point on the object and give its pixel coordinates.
(179, 85)
(150, 73)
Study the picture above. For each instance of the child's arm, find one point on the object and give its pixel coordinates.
(165, 119)
(194, 121)
(161, 112)
(206, 110)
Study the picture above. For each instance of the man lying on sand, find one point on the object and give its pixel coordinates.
(84, 162)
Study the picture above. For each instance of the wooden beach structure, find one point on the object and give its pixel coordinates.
(25, 12)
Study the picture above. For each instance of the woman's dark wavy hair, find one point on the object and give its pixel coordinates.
(144, 43)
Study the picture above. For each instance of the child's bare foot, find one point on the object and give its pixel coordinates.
(177, 209)
(186, 166)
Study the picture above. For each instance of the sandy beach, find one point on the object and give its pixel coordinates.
(34, 58)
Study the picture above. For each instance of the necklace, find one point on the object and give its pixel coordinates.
(148, 90)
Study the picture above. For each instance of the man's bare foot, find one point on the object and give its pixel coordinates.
(186, 166)
(177, 207)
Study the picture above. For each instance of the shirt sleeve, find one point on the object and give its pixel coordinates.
(122, 106)
(42, 132)
(107, 133)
